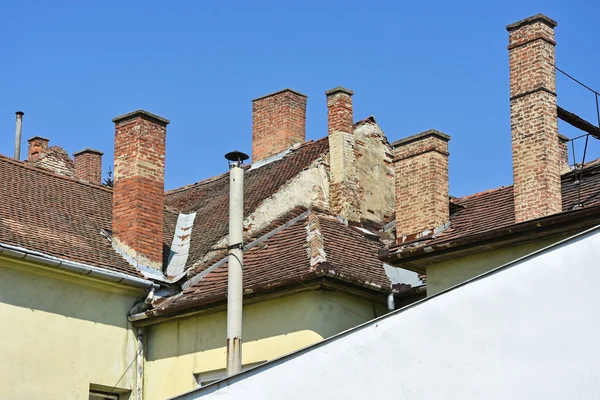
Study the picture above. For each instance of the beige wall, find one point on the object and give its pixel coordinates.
(60, 333)
(179, 349)
(443, 275)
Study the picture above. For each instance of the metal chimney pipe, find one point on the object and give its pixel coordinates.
(235, 262)
(19, 131)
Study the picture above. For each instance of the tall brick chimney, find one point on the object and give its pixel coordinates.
(138, 192)
(533, 117)
(37, 145)
(88, 165)
(344, 187)
(421, 173)
(278, 122)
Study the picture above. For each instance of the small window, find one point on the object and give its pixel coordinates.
(103, 396)
(208, 377)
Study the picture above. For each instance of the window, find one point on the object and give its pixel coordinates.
(103, 396)
(208, 377)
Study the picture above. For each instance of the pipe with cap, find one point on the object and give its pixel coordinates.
(235, 292)
(19, 131)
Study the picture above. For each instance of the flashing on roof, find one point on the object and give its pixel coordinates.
(275, 157)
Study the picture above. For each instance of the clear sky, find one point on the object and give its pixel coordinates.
(72, 66)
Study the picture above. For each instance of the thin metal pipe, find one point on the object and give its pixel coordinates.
(234, 270)
(581, 83)
(18, 132)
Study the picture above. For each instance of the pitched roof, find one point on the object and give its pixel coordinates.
(210, 198)
(317, 245)
(60, 216)
(494, 209)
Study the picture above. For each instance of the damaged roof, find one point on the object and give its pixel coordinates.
(316, 244)
(60, 216)
(210, 198)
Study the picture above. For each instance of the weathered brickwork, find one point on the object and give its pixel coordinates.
(88, 165)
(37, 144)
(563, 161)
(278, 122)
(534, 124)
(138, 193)
(421, 173)
(53, 158)
(344, 186)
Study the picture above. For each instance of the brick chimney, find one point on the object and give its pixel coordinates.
(344, 187)
(278, 122)
(37, 145)
(421, 173)
(533, 117)
(88, 165)
(138, 192)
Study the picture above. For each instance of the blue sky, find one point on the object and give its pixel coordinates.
(72, 66)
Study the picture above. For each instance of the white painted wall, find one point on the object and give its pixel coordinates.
(530, 330)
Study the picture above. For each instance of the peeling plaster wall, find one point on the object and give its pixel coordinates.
(179, 349)
(528, 331)
(60, 333)
(375, 171)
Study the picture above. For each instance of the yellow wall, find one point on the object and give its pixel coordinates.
(446, 274)
(179, 349)
(60, 333)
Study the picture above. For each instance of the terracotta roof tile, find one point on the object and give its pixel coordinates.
(285, 257)
(59, 216)
(210, 198)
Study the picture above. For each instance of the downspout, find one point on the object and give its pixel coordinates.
(235, 262)
(140, 359)
(19, 130)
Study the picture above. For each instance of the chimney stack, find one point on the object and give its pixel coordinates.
(138, 192)
(421, 173)
(533, 117)
(37, 145)
(344, 187)
(278, 122)
(88, 165)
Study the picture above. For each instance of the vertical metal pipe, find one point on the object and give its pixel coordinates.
(234, 287)
(19, 131)
(140, 357)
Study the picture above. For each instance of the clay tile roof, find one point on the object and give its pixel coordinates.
(495, 208)
(285, 258)
(210, 198)
(60, 216)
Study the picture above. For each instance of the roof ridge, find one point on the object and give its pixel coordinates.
(24, 164)
(217, 177)
(470, 196)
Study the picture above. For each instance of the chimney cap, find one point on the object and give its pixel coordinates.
(278, 92)
(236, 156)
(20, 113)
(420, 136)
(530, 20)
(143, 114)
(38, 138)
(339, 89)
(88, 150)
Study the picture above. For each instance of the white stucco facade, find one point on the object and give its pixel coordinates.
(527, 330)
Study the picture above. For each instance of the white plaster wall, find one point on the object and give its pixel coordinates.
(527, 331)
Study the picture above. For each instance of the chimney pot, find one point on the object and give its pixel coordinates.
(278, 122)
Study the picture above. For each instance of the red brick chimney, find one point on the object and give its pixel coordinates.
(278, 122)
(37, 145)
(533, 117)
(344, 187)
(88, 165)
(421, 173)
(138, 193)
